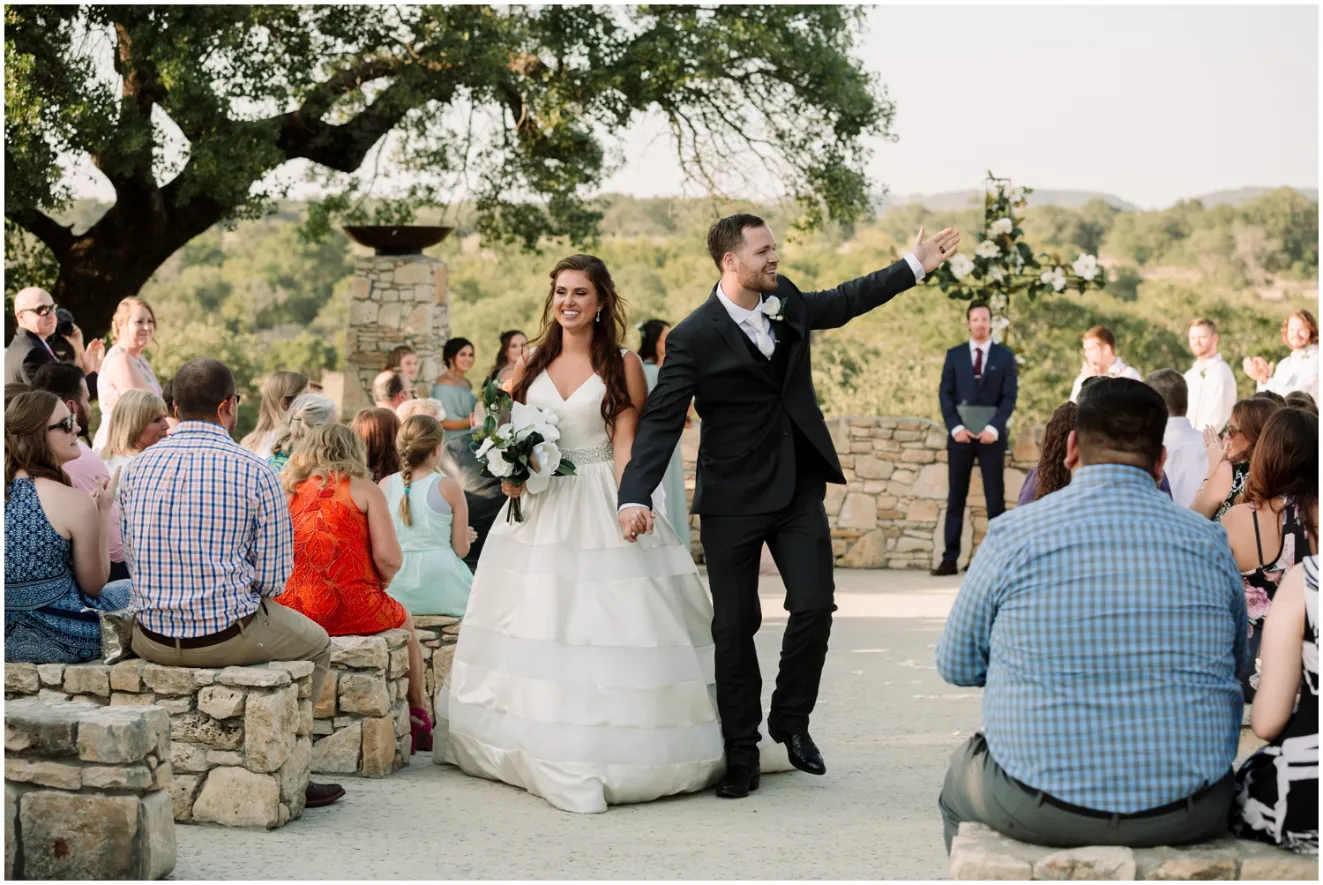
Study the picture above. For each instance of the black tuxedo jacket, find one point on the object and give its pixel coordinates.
(999, 388)
(746, 455)
(24, 356)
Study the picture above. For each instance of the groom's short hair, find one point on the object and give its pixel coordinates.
(728, 233)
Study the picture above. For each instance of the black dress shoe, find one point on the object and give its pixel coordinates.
(739, 782)
(803, 752)
(943, 570)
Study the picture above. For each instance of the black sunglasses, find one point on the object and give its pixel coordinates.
(68, 425)
(44, 311)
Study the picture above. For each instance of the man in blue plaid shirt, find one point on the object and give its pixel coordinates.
(1106, 624)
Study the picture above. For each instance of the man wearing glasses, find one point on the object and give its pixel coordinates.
(34, 310)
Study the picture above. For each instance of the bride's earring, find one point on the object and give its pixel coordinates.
(599, 315)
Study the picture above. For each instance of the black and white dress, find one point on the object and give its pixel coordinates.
(1277, 797)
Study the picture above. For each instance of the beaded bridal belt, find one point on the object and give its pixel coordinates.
(594, 455)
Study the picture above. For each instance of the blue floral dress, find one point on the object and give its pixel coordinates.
(44, 618)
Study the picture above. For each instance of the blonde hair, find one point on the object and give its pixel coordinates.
(122, 311)
(427, 406)
(418, 439)
(329, 452)
(275, 389)
(306, 412)
(133, 411)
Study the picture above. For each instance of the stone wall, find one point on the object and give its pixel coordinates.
(361, 722)
(240, 737)
(87, 791)
(892, 511)
(979, 852)
(396, 299)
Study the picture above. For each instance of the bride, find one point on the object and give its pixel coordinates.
(584, 671)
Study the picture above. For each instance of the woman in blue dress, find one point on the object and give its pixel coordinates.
(431, 522)
(674, 504)
(57, 559)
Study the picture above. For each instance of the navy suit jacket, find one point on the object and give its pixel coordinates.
(999, 387)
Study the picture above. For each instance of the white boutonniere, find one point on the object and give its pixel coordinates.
(774, 309)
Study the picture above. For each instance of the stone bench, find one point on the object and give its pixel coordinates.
(979, 852)
(240, 737)
(361, 721)
(438, 634)
(87, 791)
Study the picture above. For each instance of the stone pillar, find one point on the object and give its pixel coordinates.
(396, 299)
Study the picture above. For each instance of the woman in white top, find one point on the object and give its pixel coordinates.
(1299, 370)
(278, 391)
(137, 424)
(125, 368)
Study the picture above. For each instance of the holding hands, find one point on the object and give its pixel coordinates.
(932, 252)
(635, 521)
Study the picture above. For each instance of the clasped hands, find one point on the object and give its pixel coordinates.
(984, 436)
(636, 520)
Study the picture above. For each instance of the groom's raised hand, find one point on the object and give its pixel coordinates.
(932, 252)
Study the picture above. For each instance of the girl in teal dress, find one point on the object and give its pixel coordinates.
(431, 522)
(653, 351)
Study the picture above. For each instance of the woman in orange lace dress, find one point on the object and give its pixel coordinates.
(345, 551)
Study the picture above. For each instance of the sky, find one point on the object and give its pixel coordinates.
(1151, 104)
(1148, 103)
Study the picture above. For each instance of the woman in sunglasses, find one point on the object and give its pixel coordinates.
(125, 368)
(57, 560)
(1229, 457)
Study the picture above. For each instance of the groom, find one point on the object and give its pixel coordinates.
(763, 465)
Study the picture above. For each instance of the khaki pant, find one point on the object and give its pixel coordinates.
(275, 633)
(979, 791)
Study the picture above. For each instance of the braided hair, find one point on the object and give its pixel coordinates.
(417, 440)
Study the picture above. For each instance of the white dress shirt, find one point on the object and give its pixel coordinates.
(1118, 369)
(1212, 389)
(1299, 371)
(758, 328)
(974, 347)
(1187, 459)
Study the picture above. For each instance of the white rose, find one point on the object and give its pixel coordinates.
(482, 449)
(987, 249)
(497, 466)
(961, 266)
(1016, 194)
(1001, 226)
(772, 306)
(1086, 266)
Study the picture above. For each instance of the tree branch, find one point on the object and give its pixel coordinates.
(58, 238)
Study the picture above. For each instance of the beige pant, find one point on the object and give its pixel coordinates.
(276, 633)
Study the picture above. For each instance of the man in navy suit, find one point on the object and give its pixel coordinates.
(977, 373)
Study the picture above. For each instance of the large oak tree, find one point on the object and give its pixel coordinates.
(518, 103)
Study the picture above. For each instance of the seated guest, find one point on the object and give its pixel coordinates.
(1187, 462)
(1101, 726)
(1279, 516)
(1050, 473)
(1277, 795)
(378, 429)
(87, 472)
(13, 389)
(306, 412)
(424, 406)
(168, 396)
(1100, 360)
(432, 524)
(208, 539)
(278, 393)
(390, 389)
(1272, 397)
(345, 551)
(137, 424)
(56, 557)
(1229, 457)
(1298, 399)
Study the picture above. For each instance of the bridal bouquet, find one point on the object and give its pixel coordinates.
(516, 443)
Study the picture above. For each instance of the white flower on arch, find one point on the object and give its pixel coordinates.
(987, 249)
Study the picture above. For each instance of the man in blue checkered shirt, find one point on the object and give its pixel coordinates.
(1106, 624)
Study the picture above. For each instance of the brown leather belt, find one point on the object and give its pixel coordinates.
(199, 641)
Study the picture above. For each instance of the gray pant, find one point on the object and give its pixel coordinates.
(979, 791)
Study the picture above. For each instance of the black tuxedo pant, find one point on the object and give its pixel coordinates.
(960, 458)
(800, 541)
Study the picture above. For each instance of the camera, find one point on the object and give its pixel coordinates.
(64, 322)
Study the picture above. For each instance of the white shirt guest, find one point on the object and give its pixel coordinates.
(1299, 371)
(1187, 459)
(1210, 381)
(1100, 359)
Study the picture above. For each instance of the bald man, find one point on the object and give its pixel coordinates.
(34, 309)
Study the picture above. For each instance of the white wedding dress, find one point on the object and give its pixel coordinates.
(584, 669)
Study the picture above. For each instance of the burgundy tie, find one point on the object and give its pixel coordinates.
(978, 366)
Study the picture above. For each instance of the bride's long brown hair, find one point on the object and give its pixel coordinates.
(608, 332)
